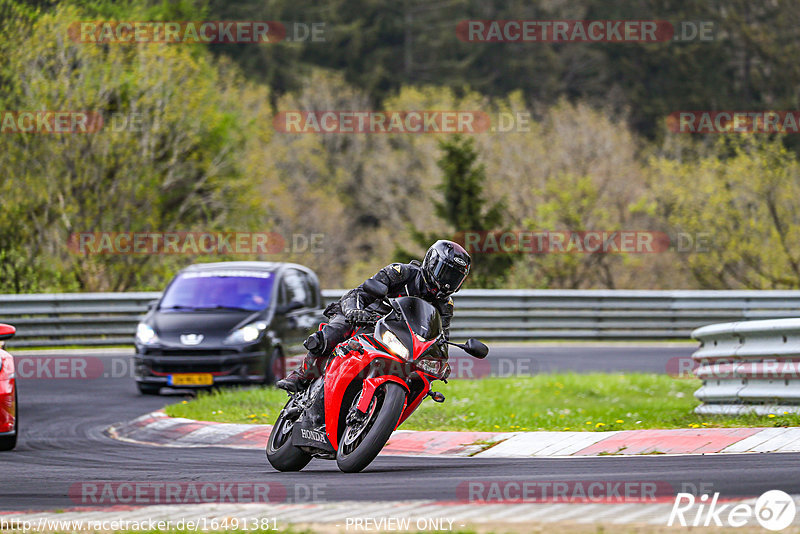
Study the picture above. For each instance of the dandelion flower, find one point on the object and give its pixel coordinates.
(619, 421)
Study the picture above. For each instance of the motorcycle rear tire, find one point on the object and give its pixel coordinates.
(392, 401)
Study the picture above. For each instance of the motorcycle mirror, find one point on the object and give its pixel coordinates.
(473, 347)
(375, 288)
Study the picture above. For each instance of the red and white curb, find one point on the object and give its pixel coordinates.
(350, 516)
(157, 428)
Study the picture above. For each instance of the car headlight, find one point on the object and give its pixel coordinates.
(398, 349)
(246, 334)
(146, 335)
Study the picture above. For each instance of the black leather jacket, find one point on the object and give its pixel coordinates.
(402, 279)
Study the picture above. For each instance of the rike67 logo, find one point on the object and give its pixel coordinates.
(773, 510)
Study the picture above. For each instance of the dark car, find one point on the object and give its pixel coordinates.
(226, 323)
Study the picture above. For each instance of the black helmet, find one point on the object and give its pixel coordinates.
(446, 265)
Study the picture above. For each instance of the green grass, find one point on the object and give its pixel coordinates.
(569, 401)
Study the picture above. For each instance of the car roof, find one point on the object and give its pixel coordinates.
(263, 266)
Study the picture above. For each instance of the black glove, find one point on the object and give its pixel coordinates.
(359, 317)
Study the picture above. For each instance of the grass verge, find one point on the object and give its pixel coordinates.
(566, 401)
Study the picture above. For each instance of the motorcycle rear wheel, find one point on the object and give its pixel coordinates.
(362, 442)
(281, 454)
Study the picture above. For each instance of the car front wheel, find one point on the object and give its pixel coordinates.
(274, 367)
(148, 389)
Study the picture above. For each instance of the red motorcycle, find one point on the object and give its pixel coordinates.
(372, 383)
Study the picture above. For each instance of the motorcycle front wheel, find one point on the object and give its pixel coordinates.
(363, 440)
(281, 454)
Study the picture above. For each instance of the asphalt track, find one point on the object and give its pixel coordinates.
(62, 444)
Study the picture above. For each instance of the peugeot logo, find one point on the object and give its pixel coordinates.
(460, 261)
(191, 339)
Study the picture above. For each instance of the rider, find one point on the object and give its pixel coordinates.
(441, 274)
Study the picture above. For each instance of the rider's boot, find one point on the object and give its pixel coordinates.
(311, 368)
(301, 378)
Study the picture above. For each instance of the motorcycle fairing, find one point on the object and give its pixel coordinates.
(309, 429)
(411, 405)
(346, 369)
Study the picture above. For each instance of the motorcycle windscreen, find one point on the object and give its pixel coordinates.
(423, 317)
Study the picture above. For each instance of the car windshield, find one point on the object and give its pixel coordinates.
(424, 319)
(224, 289)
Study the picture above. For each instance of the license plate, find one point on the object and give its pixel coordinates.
(191, 379)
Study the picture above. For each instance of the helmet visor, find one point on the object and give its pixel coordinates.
(448, 275)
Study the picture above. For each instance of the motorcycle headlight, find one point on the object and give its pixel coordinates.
(246, 334)
(146, 335)
(398, 349)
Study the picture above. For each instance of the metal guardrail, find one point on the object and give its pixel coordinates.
(110, 318)
(749, 367)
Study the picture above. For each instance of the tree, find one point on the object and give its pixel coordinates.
(464, 209)
(742, 202)
(166, 158)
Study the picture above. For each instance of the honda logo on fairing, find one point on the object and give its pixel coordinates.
(191, 339)
(312, 435)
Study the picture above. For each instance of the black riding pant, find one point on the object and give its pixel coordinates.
(333, 333)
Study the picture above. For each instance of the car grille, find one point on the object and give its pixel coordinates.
(193, 352)
(174, 367)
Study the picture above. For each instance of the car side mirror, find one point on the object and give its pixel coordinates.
(152, 304)
(7, 331)
(375, 288)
